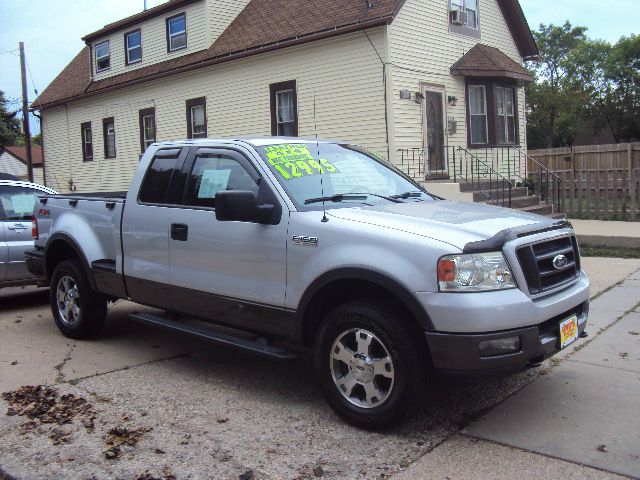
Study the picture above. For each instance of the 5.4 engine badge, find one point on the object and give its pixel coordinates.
(305, 241)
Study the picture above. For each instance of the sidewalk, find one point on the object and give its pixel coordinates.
(579, 420)
(597, 233)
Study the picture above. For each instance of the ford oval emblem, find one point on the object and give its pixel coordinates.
(560, 262)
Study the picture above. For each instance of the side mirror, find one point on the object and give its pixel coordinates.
(242, 206)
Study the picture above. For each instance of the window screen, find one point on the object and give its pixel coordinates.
(213, 173)
(155, 186)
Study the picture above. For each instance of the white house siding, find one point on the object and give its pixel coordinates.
(154, 40)
(343, 74)
(422, 51)
(11, 165)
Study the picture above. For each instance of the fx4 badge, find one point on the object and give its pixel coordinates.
(305, 241)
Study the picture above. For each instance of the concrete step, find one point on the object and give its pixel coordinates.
(515, 191)
(540, 209)
(518, 199)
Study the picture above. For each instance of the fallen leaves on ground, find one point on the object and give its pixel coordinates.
(43, 405)
(122, 436)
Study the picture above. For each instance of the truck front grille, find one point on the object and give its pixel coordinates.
(537, 262)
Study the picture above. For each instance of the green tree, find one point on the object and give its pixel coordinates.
(9, 123)
(556, 108)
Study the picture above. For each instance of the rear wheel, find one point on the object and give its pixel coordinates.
(371, 366)
(78, 311)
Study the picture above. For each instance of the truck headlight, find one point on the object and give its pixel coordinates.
(478, 272)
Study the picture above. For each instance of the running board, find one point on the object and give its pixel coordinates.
(214, 337)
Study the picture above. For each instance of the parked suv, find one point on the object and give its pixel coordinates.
(324, 245)
(17, 201)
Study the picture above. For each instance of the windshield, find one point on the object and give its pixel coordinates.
(314, 173)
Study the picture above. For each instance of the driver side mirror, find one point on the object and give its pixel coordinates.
(242, 206)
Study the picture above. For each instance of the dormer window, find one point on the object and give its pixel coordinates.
(176, 32)
(133, 47)
(103, 57)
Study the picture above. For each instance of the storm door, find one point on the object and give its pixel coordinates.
(435, 149)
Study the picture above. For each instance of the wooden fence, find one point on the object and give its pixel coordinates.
(590, 157)
(601, 195)
(598, 181)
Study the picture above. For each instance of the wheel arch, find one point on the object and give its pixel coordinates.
(346, 284)
(62, 247)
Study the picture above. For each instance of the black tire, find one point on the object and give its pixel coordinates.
(85, 309)
(402, 396)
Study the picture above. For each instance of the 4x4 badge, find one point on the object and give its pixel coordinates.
(305, 241)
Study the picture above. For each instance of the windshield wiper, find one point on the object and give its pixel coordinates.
(407, 195)
(336, 198)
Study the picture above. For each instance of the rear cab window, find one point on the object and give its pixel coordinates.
(163, 182)
(17, 203)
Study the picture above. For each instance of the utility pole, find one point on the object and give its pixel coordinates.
(25, 113)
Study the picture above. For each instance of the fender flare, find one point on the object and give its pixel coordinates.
(381, 280)
(70, 241)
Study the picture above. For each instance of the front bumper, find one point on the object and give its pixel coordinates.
(460, 354)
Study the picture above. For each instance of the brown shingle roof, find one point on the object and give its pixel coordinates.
(485, 61)
(262, 26)
(21, 154)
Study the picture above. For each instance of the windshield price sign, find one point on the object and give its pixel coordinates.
(296, 161)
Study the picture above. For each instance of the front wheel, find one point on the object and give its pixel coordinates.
(78, 311)
(371, 365)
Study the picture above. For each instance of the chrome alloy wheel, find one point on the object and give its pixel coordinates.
(362, 368)
(68, 300)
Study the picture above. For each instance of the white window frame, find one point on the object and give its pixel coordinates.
(171, 35)
(107, 56)
(146, 140)
(292, 106)
(130, 48)
(462, 5)
(485, 115)
(194, 133)
(501, 95)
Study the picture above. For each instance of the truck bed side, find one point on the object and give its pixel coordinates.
(89, 225)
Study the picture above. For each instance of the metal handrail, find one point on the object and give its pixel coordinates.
(491, 172)
(543, 171)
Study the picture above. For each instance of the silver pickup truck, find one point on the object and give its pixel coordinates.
(323, 245)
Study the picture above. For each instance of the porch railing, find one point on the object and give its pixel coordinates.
(484, 166)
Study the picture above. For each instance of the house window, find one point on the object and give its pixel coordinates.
(284, 109)
(87, 142)
(468, 23)
(505, 111)
(197, 118)
(133, 47)
(478, 114)
(492, 114)
(177, 32)
(109, 134)
(147, 128)
(103, 57)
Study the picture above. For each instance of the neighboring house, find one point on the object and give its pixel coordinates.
(395, 76)
(13, 160)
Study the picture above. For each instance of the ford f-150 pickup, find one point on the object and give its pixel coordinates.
(323, 245)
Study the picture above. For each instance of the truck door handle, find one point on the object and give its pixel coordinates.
(18, 227)
(179, 232)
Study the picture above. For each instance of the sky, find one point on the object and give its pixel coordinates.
(52, 29)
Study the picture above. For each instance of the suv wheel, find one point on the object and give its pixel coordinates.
(371, 367)
(78, 311)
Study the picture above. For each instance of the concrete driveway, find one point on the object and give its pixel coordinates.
(161, 405)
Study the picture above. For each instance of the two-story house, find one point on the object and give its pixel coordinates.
(420, 79)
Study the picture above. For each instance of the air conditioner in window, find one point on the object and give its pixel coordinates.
(459, 17)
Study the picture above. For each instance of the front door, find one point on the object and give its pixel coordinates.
(229, 272)
(434, 134)
(17, 209)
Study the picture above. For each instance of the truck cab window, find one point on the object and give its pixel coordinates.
(213, 173)
(155, 186)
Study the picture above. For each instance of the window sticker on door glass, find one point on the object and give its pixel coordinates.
(296, 161)
(23, 204)
(212, 182)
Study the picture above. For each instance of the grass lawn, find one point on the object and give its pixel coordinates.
(610, 252)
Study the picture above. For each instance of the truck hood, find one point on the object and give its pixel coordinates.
(456, 223)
